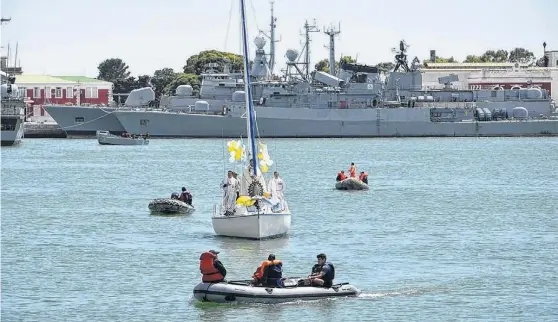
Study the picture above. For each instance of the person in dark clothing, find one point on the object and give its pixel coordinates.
(186, 196)
(325, 275)
(269, 273)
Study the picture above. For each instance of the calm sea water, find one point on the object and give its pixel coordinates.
(452, 229)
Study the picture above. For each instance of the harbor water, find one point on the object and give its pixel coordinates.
(451, 229)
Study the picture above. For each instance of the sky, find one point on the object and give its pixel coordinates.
(71, 37)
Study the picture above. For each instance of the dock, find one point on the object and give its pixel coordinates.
(35, 130)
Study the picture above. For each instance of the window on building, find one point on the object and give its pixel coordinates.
(69, 92)
(48, 93)
(23, 92)
(91, 92)
(36, 92)
(58, 92)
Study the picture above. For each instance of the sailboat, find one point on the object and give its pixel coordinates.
(250, 210)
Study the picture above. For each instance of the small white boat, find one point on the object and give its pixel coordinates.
(105, 138)
(351, 184)
(244, 292)
(170, 206)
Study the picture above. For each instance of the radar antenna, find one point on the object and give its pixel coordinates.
(401, 57)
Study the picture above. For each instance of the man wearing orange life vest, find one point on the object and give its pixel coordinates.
(341, 176)
(270, 272)
(211, 267)
(363, 177)
(352, 170)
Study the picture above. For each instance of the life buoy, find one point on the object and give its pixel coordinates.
(255, 189)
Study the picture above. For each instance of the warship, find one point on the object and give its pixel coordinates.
(355, 101)
(13, 112)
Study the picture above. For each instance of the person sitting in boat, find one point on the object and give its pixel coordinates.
(213, 271)
(270, 273)
(325, 273)
(186, 196)
(341, 176)
(363, 177)
(352, 170)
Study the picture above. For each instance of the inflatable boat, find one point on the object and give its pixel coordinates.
(351, 184)
(244, 292)
(170, 206)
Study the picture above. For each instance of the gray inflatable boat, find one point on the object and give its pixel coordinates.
(244, 292)
(170, 206)
(351, 184)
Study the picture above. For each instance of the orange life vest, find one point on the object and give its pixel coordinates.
(260, 271)
(352, 171)
(210, 273)
(362, 176)
(341, 176)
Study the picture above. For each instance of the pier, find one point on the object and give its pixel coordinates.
(35, 130)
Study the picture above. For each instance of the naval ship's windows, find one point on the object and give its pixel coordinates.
(79, 119)
(144, 122)
(494, 94)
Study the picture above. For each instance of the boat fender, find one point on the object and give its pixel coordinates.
(255, 189)
(269, 290)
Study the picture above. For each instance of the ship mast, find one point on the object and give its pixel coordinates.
(332, 32)
(272, 39)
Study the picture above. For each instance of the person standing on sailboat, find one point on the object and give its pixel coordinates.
(230, 192)
(276, 187)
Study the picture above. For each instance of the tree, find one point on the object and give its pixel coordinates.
(385, 67)
(473, 59)
(495, 56)
(161, 79)
(113, 69)
(323, 65)
(184, 79)
(522, 56)
(124, 85)
(143, 81)
(196, 64)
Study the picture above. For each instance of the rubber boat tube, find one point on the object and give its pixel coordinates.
(243, 292)
(351, 184)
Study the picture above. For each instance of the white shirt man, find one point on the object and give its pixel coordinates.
(276, 187)
(230, 189)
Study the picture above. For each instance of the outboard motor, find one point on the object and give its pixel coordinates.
(175, 195)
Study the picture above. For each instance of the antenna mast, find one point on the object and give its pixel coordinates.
(272, 39)
(308, 29)
(331, 32)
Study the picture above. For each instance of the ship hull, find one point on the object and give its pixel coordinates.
(14, 135)
(78, 120)
(327, 123)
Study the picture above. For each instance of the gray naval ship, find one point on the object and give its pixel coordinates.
(13, 111)
(357, 102)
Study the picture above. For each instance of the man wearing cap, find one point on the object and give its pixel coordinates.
(213, 271)
(325, 272)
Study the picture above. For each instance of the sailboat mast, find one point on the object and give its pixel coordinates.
(248, 95)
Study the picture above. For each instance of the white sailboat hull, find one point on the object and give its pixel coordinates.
(253, 226)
